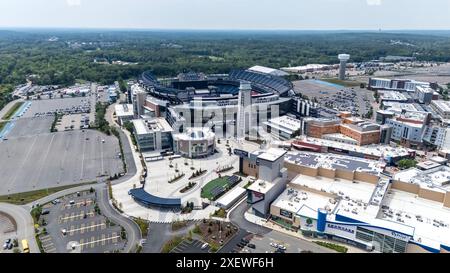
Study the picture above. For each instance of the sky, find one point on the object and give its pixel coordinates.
(227, 14)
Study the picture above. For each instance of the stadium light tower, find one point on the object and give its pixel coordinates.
(343, 58)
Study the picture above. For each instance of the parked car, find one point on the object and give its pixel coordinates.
(45, 211)
(251, 246)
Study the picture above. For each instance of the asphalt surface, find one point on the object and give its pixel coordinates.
(25, 222)
(89, 230)
(237, 218)
(159, 233)
(127, 152)
(25, 225)
(31, 126)
(133, 232)
(57, 159)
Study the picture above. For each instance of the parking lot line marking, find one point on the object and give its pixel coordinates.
(81, 244)
(51, 250)
(92, 243)
(114, 237)
(47, 245)
(82, 159)
(103, 239)
(73, 215)
(84, 228)
(44, 240)
(78, 204)
(44, 159)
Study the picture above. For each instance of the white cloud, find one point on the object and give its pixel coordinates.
(373, 2)
(73, 3)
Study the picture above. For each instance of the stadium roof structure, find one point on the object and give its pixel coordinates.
(268, 70)
(140, 195)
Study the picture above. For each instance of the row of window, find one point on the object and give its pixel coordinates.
(381, 242)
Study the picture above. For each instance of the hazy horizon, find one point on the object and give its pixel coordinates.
(250, 15)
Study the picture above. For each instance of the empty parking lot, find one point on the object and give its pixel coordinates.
(49, 160)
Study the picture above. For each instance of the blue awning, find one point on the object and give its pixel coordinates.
(140, 195)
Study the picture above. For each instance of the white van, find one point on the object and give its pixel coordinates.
(204, 246)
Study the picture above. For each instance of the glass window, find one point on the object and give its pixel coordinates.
(361, 229)
(364, 237)
(400, 246)
(388, 244)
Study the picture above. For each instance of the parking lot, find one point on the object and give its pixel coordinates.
(353, 99)
(74, 224)
(30, 126)
(72, 122)
(57, 159)
(194, 246)
(8, 233)
(47, 107)
(276, 242)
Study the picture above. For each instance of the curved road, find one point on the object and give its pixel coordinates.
(133, 231)
(25, 225)
(24, 220)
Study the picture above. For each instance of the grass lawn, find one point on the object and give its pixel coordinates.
(2, 124)
(343, 83)
(13, 109)
(206, 190)
(30, 196)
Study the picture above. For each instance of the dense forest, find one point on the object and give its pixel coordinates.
(62, 57)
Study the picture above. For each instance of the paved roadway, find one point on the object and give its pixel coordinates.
(237, 217)
(128, 154)
(25, 225)
(133, 231)
(159, 233)
(8, 106)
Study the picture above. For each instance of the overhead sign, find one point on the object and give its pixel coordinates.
(240, 153)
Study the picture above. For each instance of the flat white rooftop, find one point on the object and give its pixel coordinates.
(359, 191)
(377, 150)
(231, 196)
(124, 110)
(261, 186)
(303, 203)
(393, 96)
(334, 161)
(429, 219)
(150, 126)
(393, 105)
(285, 123)
(272, 154)
(437, 178)
(267, 70)
(442, 105)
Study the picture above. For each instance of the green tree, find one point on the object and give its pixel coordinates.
(406, 163)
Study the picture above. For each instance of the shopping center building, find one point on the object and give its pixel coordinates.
(408, 213)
